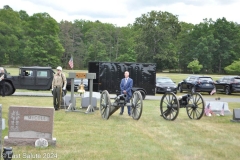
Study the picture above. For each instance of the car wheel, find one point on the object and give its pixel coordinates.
(227, 90)
(8, 89)
(180, 88)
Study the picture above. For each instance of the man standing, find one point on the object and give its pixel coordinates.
(3, 76)
(58, 84)
(126, 88)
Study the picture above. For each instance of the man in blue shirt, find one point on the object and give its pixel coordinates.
(126, 88)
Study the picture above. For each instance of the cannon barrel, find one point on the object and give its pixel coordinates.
(107, 108)
(184, 99)
(121, 97)
(120, 100)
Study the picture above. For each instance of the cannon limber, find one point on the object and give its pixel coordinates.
(170, 105)
(107, 108)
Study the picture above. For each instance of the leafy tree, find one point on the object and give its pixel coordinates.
(100, 42)
(10, 35)
(126, 45)
(228, 34)
(43, 46)
(157, 33)
(199, 44)
(71, 38)
(183, 45)
(234, 68)
(195, 66)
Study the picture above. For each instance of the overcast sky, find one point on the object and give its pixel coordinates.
(123, 12)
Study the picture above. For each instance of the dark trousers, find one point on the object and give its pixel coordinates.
(56, 97)
(129, 108)
(2, 88)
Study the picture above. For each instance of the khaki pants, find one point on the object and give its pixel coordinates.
(56, 97)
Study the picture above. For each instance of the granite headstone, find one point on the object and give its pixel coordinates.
(27, 124)
(218, 107)
(236, 115)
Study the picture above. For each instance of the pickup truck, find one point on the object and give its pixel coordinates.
(31, 78)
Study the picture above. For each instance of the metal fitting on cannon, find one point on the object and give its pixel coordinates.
(121, 97)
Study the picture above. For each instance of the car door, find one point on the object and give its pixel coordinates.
(185, 83)
(220, 85)
(43, 79)
(27, 79)
(235, 84)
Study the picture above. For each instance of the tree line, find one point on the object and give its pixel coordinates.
(155, 37)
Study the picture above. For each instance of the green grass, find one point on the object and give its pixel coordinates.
(87, 136)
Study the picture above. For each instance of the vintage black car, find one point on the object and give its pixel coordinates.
(31, 78)
(197, 83)
(165, 84)
(228, 84)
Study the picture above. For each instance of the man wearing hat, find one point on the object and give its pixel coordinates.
(58, 84)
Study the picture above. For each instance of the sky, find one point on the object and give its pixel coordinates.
(124, 12)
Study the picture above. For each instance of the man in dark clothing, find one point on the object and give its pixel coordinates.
(3, 76)
(126, 88)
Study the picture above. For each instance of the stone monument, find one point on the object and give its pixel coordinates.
(27, 124)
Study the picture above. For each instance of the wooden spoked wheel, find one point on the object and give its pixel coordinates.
(136, 105)
(169, 106)
(105, 104)
(195, 106)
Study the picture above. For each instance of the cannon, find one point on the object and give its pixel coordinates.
(107, 108)
(170, 104)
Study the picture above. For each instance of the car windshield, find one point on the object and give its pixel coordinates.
(237, 80)
(205, 79)
(164, 80)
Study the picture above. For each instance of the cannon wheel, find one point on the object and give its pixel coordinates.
(105, 105)
(136, 105)
(169, 106)
(195, 106)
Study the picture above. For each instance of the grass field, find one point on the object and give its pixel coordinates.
(83, 136)
(87, 136)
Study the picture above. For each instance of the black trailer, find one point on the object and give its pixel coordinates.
(110, 74)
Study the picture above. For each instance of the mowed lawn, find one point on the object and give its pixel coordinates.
(83, 136)
(87, 136)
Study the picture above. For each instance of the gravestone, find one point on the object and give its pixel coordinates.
(236, 115)
(67, 101)
(27, 124)
(218, 107)
(85, 102)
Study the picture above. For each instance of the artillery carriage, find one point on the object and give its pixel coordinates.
(193, 102)
(107, 108)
